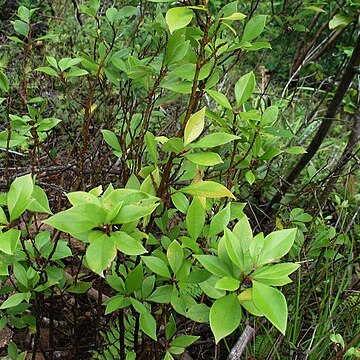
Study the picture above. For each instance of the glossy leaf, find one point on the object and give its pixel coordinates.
(220, 98)
(225, 316)
(204, 158)
(276, 245)
(254, 27)
(175, 256)
(19, 196)
(195, 218)
(244, 88)
(194, 127)
(100, 253)
(156, 265)
(210, 189)
(178, 17)
(271, 302)
(127, 244)
(215, 139)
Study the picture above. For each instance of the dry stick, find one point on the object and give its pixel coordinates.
(345, 82)
(241, 344)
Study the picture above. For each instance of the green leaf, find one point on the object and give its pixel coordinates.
(254, 27)
(275, 275)
(134, 279)
(75, 72)
(148, 325)
(111, 139)
(234, 16)
(100, 253)
(209, 189)
(178, 17)
(219, 221)
(270, 115)
(15, 300)
(4, 83)
(111, 14)
(215, 139)
(156, 265)
(21, 27)
(199, 313)
(195, 218)
(151, 146)
(225, 316)
(227, 283)
(130, 213)
(295, 150)
(82, 197)
(204, 158)
(184, 341)
(213, 264)
(175, 256)
(47, 124)
(162, 294)
(78, 219)
(80, 287)
(195, 126)
(40, 202)
(180, 201)
(67, 63)
(127, 244)
(3, 219)
(271, 302)
(220, 98)
(114, 303)
(244, 88)
(234, 249)
(9, 241)
(19, 196)
(243, 232)
(276, 245)
(47, 70)
(250, 177)
(340, 21)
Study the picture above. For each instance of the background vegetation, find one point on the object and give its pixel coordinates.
(166, 166)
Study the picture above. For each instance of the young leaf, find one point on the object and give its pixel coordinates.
(180, 201)
(40, 202)
(9, 241)
(178, 17)
(19, 196)
(210, 189)
(148, 325)
(15, 300)
(112, 140)
(204, 158)
(234, 249)
(213, 264)
(195, 126)
(175, 256)
(242, 230)
(220, 220)
(195, 218)
(215, 139)
(254, 27)
(4, 83)
(127, 244)
(100, 253)
(220, 98)
(184, 340)
(276, 245)
(244, 88)
(78, 219)
(227, 283)
(271, 302)
(199, 313)
(225, 316)
(156, 265)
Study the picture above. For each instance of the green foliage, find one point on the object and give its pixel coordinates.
(142, 140)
